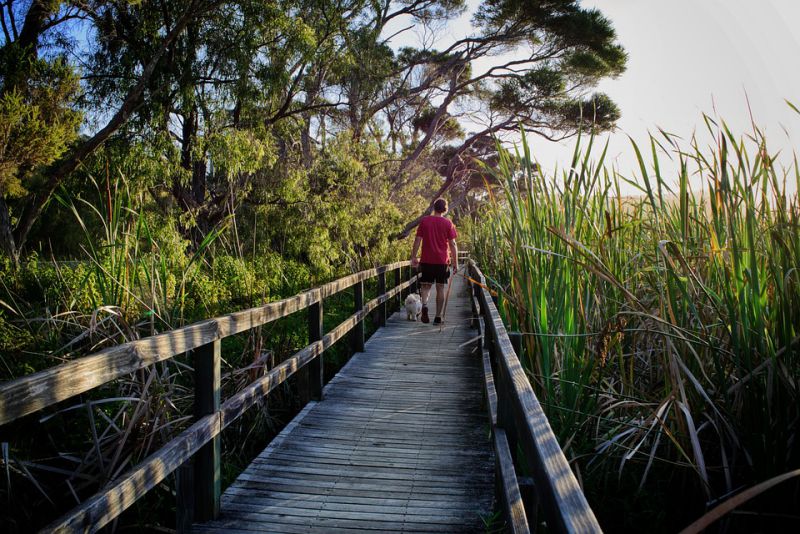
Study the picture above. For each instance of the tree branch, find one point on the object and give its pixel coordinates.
(131, 102)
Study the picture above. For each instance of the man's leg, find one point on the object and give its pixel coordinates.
(424, 293)
(440, 290)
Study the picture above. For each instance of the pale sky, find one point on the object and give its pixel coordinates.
(687, 57)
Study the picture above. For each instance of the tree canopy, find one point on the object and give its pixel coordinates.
(285, 106)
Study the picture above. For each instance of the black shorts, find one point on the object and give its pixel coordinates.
(434, 272)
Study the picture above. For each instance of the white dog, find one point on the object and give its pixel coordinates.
(413, 306)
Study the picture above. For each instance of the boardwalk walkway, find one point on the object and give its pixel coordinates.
(400, 443)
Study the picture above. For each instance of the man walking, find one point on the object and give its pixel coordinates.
(437, 235)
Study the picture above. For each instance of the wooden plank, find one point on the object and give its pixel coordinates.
(31, 393)
(103, 507)
(490, 391)
(562, 499)
(257, 480)
(388, 473)
(347, 512)
(435, 502)
(405, 421)
(207, 462)
(282, 486)
(509, 494)
(365, 450)
(437, 465)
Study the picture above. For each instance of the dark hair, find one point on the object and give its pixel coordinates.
(440, 205)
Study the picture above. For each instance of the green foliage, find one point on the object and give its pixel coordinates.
(661, 329)
(37, 118)
(241, 151)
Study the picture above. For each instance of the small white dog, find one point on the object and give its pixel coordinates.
(413, 306)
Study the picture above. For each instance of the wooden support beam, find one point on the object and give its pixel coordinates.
(316, 379)
(207, 476)
(527, 488)
(397, 281)
(382, 291)
(184, 492)
(357, 337)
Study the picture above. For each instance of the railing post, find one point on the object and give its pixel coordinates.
(357, 336)
(316, 379)
(381, 291)
(397, 280)
(207, 479)
(184, 491)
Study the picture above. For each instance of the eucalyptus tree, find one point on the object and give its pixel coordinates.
(49, 23)
(219, 92)
(527, 64)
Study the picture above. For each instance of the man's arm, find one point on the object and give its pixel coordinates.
(414, 250)
(453, 254)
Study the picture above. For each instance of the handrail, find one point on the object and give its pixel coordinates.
(32, 393)
(518, 419)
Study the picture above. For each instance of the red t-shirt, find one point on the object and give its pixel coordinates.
(435, 233)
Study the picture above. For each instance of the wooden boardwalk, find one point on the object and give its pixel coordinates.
(400, 443)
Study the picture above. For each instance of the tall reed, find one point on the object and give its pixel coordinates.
(661, 329)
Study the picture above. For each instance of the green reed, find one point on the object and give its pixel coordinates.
(661, 329)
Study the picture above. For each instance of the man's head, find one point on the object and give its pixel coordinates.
(440, 206)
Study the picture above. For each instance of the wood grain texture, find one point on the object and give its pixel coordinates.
(400, 443)
(561, 497)
(507, 482)
(34, 392)
(102, 508)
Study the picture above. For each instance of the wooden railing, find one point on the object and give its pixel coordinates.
(519, 423)
(195, 452)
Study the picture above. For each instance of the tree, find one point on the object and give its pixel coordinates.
(42, 18)
(221, 93)
(546, 59)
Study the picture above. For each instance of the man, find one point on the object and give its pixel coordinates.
(438, 238)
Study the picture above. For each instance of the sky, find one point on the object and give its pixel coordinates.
(689, 57)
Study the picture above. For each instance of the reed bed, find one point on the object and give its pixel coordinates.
(660, 329)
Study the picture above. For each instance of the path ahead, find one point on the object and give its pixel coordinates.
(400, 443)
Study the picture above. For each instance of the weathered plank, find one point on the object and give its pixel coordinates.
(507, 483)
(400, 443)
(560, 495)
(109, 503)
(34, 392)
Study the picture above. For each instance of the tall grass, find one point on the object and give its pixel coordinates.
(661, 329)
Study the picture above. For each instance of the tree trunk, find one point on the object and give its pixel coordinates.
(34, 22)
(36, 201)
(6, 234)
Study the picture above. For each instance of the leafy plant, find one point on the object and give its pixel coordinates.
(661, 330)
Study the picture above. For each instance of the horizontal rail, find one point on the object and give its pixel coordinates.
(34, 392)
(558, 492)
(103, 507)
